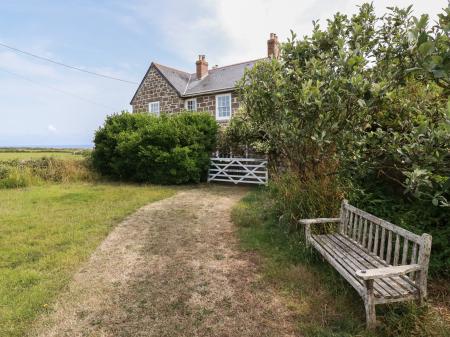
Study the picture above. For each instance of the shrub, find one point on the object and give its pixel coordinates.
(15, 173)
(364, 100)
(144, 148)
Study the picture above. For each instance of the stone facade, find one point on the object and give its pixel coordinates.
(156, 88)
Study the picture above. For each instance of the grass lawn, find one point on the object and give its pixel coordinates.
(323, 302)
(21, 155)
(46, 232)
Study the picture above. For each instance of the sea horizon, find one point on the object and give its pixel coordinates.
(63, 146)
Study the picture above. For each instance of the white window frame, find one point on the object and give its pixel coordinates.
(150, 108)
(194, 100)
(223, 118)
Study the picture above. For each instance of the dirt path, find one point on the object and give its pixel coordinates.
(171, 269)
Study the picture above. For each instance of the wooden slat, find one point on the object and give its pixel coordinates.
(397, 248)
(389, 248)
(369, 245)
(238, 170)
(405, 251)
(395, 286)
(383, 223)
(364, 240)
(386, 271)
(403, 281)
(355, 226)
(382, 243)
(345, 273)
(360, 225)
(375, 246)
(331, 258)
(413, 260)
(350, 223)
(351, 258)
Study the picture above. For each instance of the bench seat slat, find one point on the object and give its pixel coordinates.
(404, 281)
(399, 284)
(346, 273)
(386, 287)
(382, 287)
(350, 266)
(348, 257)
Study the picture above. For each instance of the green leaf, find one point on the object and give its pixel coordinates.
(426, 47)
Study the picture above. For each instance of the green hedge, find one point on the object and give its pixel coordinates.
(171, 149)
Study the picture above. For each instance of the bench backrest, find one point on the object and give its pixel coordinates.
(391, 243)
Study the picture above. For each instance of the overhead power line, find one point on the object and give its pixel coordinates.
(66, 65)
(56, 89)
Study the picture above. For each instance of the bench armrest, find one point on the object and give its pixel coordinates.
(376, 273)
(318, 221)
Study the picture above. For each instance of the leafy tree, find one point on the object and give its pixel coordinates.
(364, 99)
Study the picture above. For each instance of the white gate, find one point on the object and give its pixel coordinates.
(239, 170)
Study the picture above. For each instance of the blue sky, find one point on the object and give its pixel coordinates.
(120, 39)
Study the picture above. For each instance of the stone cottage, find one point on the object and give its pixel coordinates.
(167, 90)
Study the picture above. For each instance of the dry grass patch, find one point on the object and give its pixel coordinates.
(323, 303)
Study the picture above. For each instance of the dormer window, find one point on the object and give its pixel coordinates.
(191, 104)
(153, 107)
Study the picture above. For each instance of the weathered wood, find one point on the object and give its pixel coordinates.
(364, 233)
(424, 259)
(405, 251)
(318, 221)
(355, 226)
(360, 253)
(369, 245)
(367, 274)
(349, 277)
(375, 246)
(369, 304)
(351, 257)
(397, 248)
(343, 216)
(366, 261)
(389, 248)
(360, 225)
(383, 223)
(382, 243)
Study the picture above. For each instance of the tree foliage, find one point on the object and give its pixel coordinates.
(365, 99)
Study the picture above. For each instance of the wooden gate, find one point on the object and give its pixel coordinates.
(239, 170)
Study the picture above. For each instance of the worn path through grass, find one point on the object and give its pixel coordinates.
(174, 268)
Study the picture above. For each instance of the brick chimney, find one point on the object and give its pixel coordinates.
(202, 67)
(273, 46)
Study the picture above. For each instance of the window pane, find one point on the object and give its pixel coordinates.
(154, 107)
(223, 109)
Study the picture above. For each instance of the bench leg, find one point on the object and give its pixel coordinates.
(369, 304)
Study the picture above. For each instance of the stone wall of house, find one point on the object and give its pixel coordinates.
(156, 88)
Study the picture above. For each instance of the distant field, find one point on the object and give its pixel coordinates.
(35, 154)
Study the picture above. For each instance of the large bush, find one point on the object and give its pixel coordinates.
(171, 149)
(364, 101)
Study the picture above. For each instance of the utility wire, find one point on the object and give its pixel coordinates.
(66, 65)
(56, 89)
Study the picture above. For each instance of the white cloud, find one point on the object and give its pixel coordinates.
(51, 128)
(229, 31)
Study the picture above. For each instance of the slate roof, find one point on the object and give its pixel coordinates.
(218, 79)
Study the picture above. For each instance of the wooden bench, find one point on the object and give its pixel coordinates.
(383, 262)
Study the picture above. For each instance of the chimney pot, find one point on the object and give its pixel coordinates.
(273, 46)
(201, 67)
